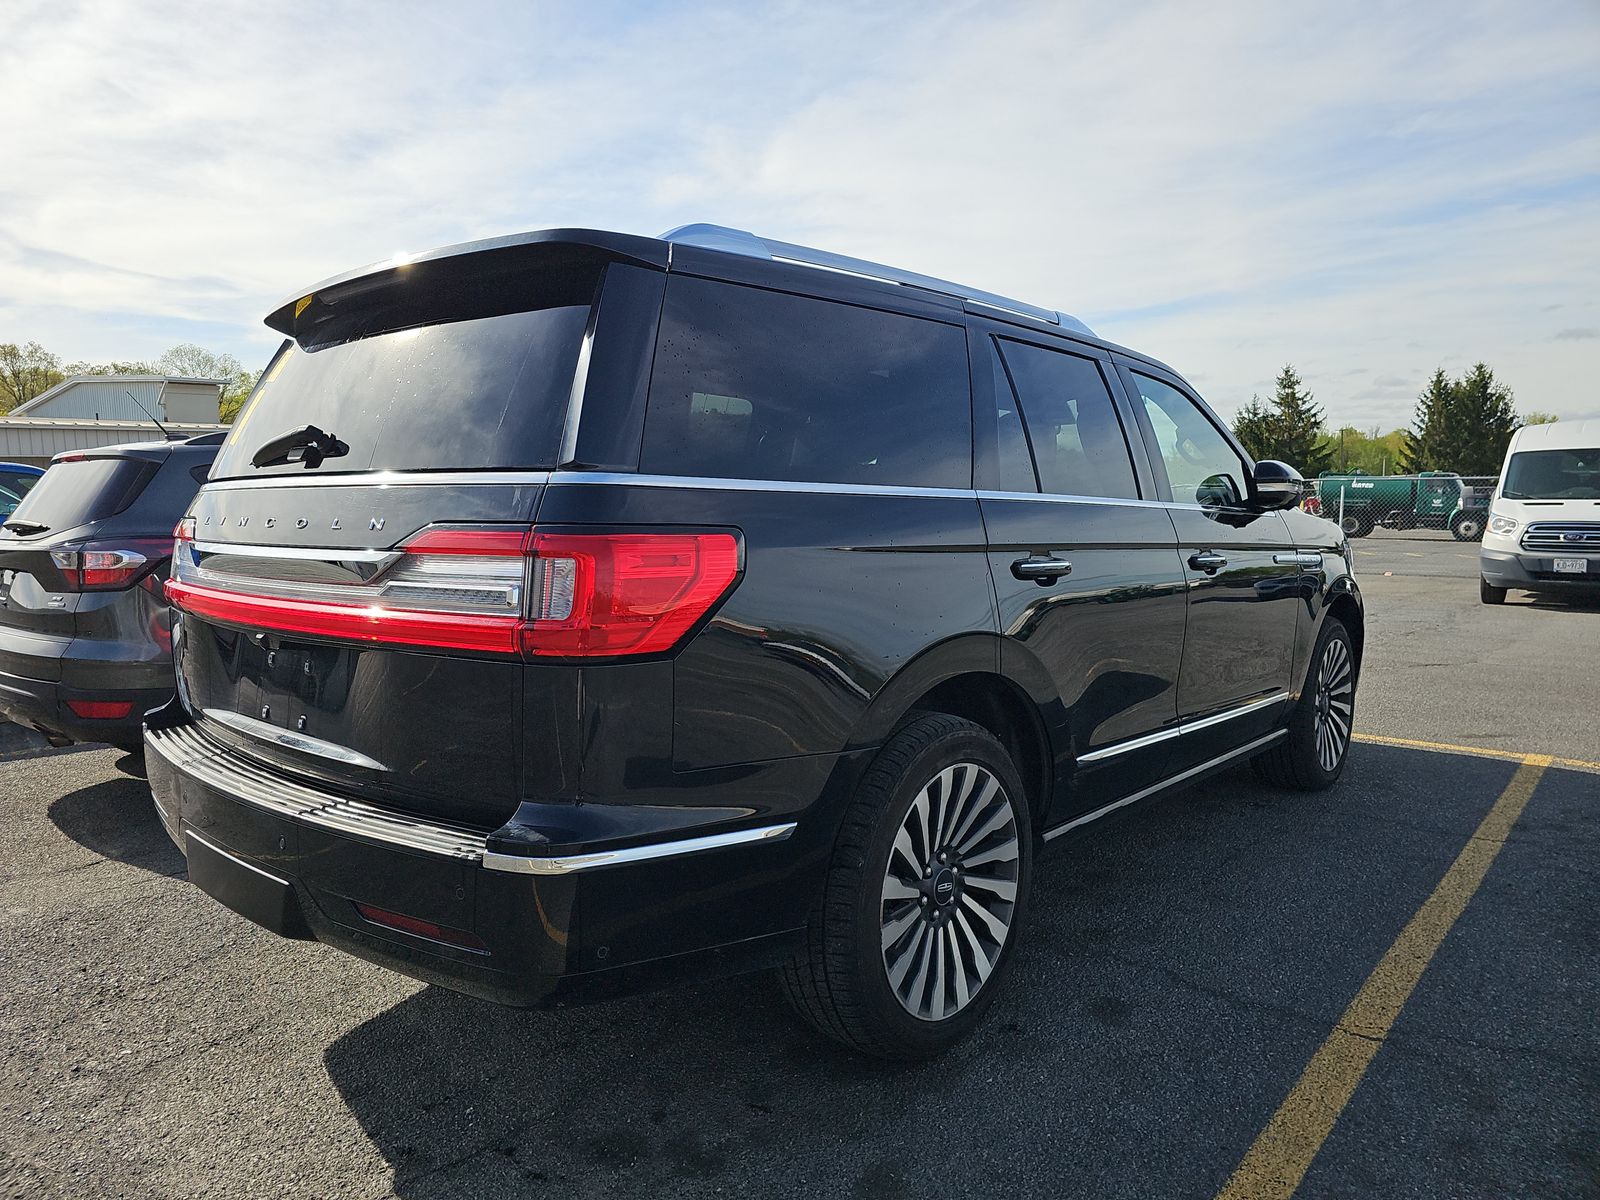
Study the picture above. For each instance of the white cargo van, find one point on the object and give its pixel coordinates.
(1544, 520)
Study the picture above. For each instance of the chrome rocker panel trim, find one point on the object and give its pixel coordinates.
(1249, 748)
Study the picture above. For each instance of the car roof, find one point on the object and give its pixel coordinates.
(707, 243)
(25, 468)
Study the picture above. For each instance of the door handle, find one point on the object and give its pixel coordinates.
(1042, 569)
(1208, 561)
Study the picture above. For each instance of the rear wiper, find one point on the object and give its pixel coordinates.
(308, 445)
(26, 527)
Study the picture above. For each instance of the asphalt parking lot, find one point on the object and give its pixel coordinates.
(1195, 991)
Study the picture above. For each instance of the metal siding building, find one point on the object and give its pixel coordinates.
(88, 411)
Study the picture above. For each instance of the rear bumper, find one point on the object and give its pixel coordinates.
(46, 706)
(1534, 572)
(516, 928)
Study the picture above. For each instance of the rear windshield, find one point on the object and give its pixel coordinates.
(477, 377)
(79, 490)
(1553, 475)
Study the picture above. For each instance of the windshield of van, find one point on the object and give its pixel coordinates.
(478, 378)
(1553, 475)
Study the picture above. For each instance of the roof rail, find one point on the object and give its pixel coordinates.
(737, 241)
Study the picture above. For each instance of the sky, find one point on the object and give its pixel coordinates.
(1367, 191)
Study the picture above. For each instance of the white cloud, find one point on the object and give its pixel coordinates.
(1229, 187)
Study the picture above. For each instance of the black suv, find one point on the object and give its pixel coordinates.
(572, 611)
(85, 641)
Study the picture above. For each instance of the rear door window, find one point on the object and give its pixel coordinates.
(77, 491)
(477, 376)
(751, 384)
(1202, 466)
(1079, 448)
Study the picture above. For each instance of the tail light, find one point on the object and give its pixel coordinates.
(487, 589)
(101, 567)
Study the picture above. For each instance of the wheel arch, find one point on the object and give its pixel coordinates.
(964, 678)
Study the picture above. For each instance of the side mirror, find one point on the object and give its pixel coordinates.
(1276, 485)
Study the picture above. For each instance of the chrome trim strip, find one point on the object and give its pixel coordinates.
(580, 383)
(753, 485)
(331, 554)
(1259, 743)
(567, 864)
(377, 479)
(1059, 498)
(251, 727)
(1183, 727)
(233, 858)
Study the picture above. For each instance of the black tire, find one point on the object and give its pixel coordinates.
(1488, 593)
(840, 980)
(1467, 527)
(1356, 527)
(1326, 709)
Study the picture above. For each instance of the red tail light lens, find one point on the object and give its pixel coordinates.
(487, 589)
(96, 568)
(624, 593)
(101, 710)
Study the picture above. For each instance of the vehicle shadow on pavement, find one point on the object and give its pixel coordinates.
(1179, 970)
(117, 820)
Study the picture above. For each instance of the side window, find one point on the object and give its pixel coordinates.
(1011, 439)
(1072, 425)
(1202, 466)
(751, 384)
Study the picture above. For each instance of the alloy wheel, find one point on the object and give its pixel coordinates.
(1335, 704)
(949, 893)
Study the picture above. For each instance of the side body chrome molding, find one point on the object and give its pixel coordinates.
(1144, 794)
(1183, 727)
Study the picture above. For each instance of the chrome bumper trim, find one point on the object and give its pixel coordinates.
(278, 735)
(569, 863)
(189, 751)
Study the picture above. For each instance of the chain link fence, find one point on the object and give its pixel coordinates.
(1448, 505)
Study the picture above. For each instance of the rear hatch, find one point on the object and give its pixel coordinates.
(354, 574)
(58, 576)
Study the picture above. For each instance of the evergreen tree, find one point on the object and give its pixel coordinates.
(1461, 424)
(1297, 426)
(1486, 419)
(1253, 426)
(1424, 443)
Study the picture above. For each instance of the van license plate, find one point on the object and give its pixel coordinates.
(1571, 566)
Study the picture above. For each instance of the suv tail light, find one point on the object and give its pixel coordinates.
(487, 589)
(102, 567)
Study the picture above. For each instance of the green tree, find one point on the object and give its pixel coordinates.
(1367, 451)
(1253, 426)
(1296, 425)
(1539, 418)
(1430, 428)
(25, 372)
(1485, 420)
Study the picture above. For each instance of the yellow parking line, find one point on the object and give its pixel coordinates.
(1377, 739)
(1273, 1167)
